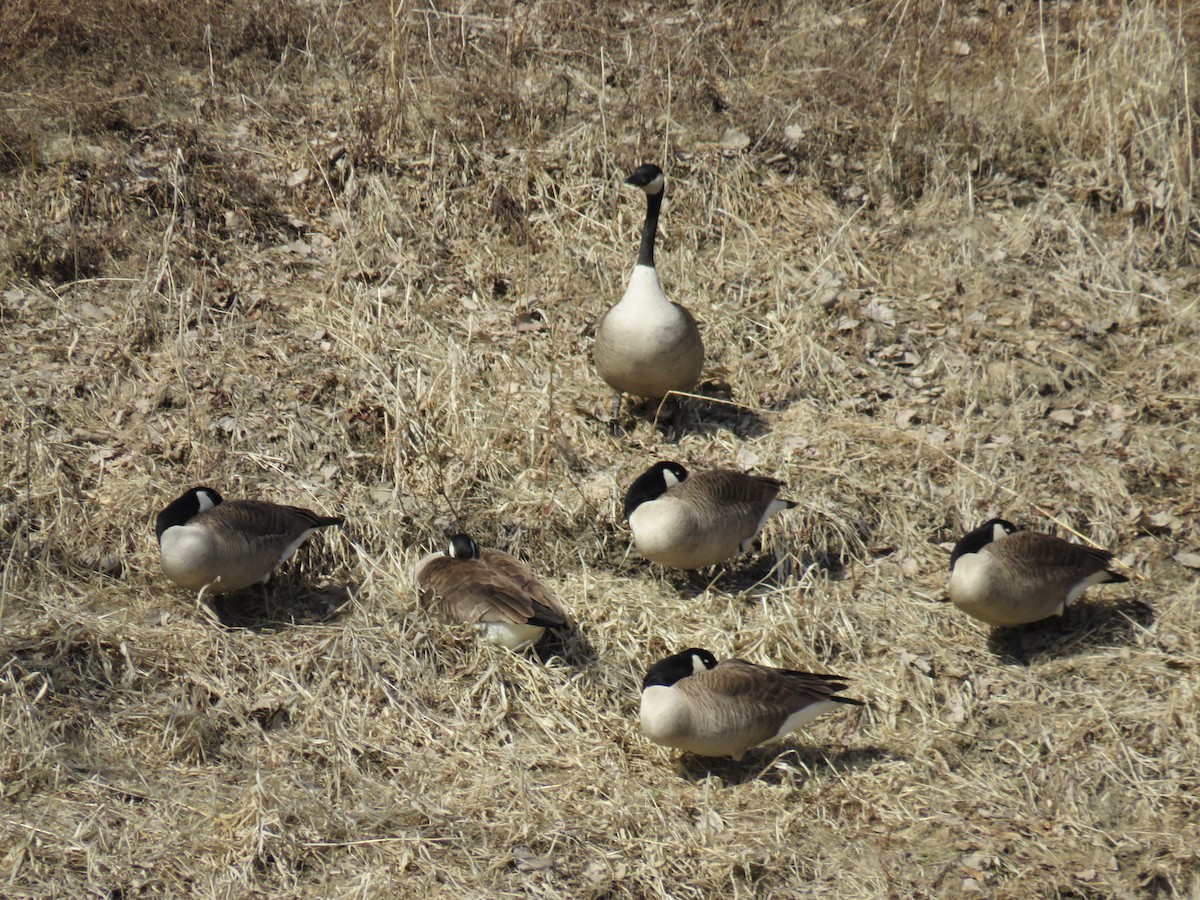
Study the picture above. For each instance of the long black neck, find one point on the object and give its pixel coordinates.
(650, 229)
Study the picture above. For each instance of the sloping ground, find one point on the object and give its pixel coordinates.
(350, 257)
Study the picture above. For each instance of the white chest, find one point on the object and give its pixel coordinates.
(189, 556)
(645, 316)
(665, 717)
(970, 580)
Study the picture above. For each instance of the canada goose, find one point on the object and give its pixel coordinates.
(692, 521)
(693, 703)
(646, 345)
(495, 592)
(225, 546)
(1004, 576)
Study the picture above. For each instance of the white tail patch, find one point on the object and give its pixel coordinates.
(802, 717)
(775, 506)
(514, 637)
(1092, 580)
(289, 552)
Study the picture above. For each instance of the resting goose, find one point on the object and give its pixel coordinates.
(488, 588)
(693, 703)
(689, 521)
(1004, 576)
(207, 542)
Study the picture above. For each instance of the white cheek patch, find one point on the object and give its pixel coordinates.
(656, 186)
(669, 478)
(698, 665)
(204, 498)
(998, 532)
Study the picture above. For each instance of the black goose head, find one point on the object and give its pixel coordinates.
(689, 662)
(649, 178)
(462, 546)
(652, 484)
(185, 508)
(974, 541)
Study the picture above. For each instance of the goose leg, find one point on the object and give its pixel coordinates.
(677, 420)
(1017, 647)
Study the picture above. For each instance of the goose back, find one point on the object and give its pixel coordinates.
(494, 591)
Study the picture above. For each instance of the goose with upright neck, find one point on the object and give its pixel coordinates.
(646, 345)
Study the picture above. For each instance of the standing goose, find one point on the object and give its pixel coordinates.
(693, 703)
(1004, 576)
(206, 542)
(495, 592)
(692, 521)
(646, 345)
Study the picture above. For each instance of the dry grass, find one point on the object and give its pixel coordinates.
(945, 257)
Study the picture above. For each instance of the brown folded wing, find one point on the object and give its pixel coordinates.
(754, 701)
(548, 608)
(267, 520)
(734, 498)
(1051, 555)
(494, 588)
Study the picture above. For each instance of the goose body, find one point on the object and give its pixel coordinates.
(689, 521)
(488, 588)
(1004, 576)
(695, 704)
(646, 345)
(207, 542)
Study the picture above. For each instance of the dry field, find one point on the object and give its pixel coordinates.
(350, 256)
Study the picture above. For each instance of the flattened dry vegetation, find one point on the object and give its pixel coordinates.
(350, 256)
